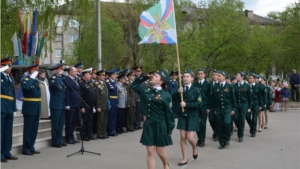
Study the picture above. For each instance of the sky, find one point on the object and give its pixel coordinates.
(263, 7)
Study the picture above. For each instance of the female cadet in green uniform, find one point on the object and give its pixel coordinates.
(264, 103)
(159, 123)
(188, 116)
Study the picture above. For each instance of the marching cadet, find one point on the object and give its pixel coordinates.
(205, 88)
(213, 120)
(122, 103)
(102, 103)
(88, 94)
(173, 88)
(31, 109)
(268, 103)
(225, 106)
(57, 105)
(8, 107)
(242, 93)
(79, 67)
(130, 104)
(137, 70)
(251, 117)
(263, 104)
(160, 123)
(188, 116)
(113, 100)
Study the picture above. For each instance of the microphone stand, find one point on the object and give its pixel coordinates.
(82, 150)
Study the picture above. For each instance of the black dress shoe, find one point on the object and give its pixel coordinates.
(86, 139)
(101, 137)
(124, 131)
(221, 147)
(241, 140)
(181, 164)
(119, 133)
(235, 130)
(56, 146)
(113, 135)
(3, 160)
(36, 152)
(11, 158)
(27, 153)
(195, 156)
(63, 144)
(70, 142)
(93, 138)
(253, 135)
(76, 141)
(227, 143)
(202, 144)
(106, 136)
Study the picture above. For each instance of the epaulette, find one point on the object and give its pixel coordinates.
(26, 79)
(107, 81)
(53, 77)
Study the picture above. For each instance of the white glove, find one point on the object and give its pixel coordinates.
(3, 68)
(94, 110)
(34, 74)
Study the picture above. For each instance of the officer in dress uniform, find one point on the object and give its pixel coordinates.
(225, 106)
(243, 97)
(122, 103)
(88, 94)
(93, 80)
(102, 103)
(79, 67)
(137, 70)
(31, 109)
(205, 88)
(256, 101)
(8, 107)
(173, 88)
(213, 120)
(57, 105)
(113, 100)
(130, 104)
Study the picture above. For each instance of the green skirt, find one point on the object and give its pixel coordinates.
(155, 133)
(188, 123)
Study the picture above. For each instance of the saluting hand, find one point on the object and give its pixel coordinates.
(182, 104)
(180, 90)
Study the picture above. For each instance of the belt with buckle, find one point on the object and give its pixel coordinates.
(113, 97)
(6, 97)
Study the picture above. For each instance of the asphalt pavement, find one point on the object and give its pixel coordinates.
(274, 148)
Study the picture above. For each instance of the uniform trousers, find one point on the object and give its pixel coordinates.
(87, 118)
(239, 119)
(57, 125)
(130, 117)
(252, 118)
(120, 119)
(112, 117)
(202, 124)
(224, 119)
(30, 130)
(6, 133)
(101, 123)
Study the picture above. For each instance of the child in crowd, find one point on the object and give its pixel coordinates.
(285, 94)
(277, 97)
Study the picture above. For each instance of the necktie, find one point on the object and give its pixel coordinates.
(75, 82)
(186, 88)
(222, 85)
(9, 82)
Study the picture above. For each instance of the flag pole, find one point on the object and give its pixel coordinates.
(179, 72)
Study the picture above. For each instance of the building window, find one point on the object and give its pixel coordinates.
(58, 38)
(58, 52)
(70, 52)
(59, 21)
(73, 38)
(73, 23)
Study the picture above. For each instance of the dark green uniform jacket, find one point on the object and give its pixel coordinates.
(160, 122)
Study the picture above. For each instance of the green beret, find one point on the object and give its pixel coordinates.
(190, 72)
(164, 75)
(202, 69)
(222, 72)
